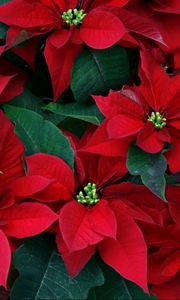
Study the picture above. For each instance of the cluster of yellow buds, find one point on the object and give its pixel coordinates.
(73, 16)
(91, 197)
(157, 119)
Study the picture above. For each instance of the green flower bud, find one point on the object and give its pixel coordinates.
(158, 120)
(73, 16)
(91, 197)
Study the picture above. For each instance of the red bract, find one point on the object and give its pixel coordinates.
(12, 80)
(87, 222)
(5, 258)
(148, 114)
(154, 6)
(20, 221)
(11, 152)
(168, 290)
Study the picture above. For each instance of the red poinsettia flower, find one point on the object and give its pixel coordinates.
(99, 24)
(12, 80)
(70, 24)
(148, 114)
(87, 221)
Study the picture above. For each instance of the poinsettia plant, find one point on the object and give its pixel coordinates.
(89, 149)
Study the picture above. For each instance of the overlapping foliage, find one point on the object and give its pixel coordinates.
(89, 149)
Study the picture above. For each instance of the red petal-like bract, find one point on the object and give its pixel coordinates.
(101, 29)
(12, 80)
(11, 151)
(173, 194)
(128, 254)
(81, 226)
(5, 258)
(60, 72)
(51, 167)
(48, 179)
(25, 14)
(74, 261)
(121, 126)
(26, 219)
(168, 290)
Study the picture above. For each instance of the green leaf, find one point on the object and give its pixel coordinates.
(43, 275)
(118, 288)
(34, 103)
(27, 100)
(98, 71)
(3, 30)
(151, 168)
(39, 135)
(4, 1)
(75, 126)
(87, 112)
(91, 295)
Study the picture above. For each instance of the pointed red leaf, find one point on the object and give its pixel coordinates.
(140, 25)
(74, 261)
(59, 38)
(86, 226)
(149, 138)
(4, 80)
(123, 125)
(5, 258)
(128, 254)
(51, 167)
(101, 29)
(173, 157)
(27, 15)
(11, 151)
(168, 290)
(173, 197)
(171, 264)
(26, 186)
(26, 219)
(60, 72)
(101, 143)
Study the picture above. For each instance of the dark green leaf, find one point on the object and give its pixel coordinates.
(91, 295)
(151, 168)
(34, 103)
(27, 100)
(39, 135)
(87, 112)
(118, 288)
(98, 71)
(4, 1)
(43, 275)
(3, 30)
(75, 126)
